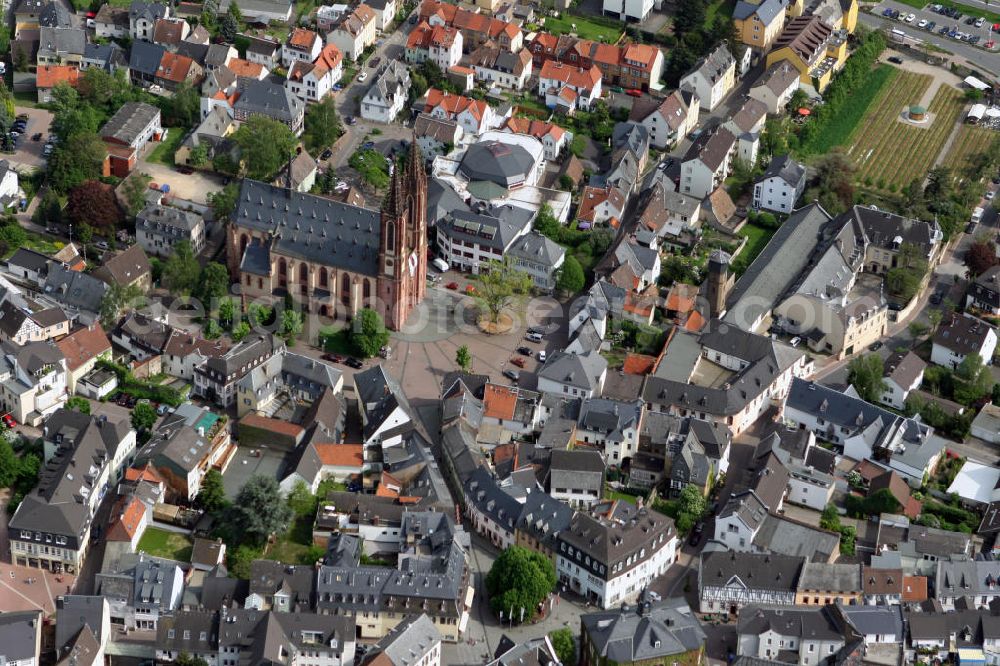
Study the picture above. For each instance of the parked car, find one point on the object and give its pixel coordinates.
(796, 341)
(354, 363)
(895, 60)
(512, 375)
(36, 137)
(333, 358)
(351, 120)
(374, 62)
(922, 23)
(326, 154)
(362, 76)
(524, 351)
(910, 17)
(541, 356)
(186, 170)
(633, 92)
(990, 194)
(696, 532)
(538, 330)
(8, 420)
(518, 361)
(936, 298)
(931, 26)
(876, 346)
(368, 145)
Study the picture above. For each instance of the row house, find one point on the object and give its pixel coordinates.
(567, 88)
(708, 162)
(355, 32)
(313, 81)
(474, 115)
(476, 28)
(554, 138)
(668, 120)
(441, 45)
(633, 66)
(728, 581)
(302, 45)
(494, 66)
(712, 78)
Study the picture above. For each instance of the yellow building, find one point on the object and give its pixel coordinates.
(758, 25)
(813, 48)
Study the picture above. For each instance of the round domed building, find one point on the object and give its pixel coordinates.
(507, 164)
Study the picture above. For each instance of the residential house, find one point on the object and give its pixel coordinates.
(285, 374)
(51, 528)
(355, 32)
(567, 88)
(434, 135)
(881, 587)
(175, 70)
(61, 46)
(108, 57)
(960, 336)
(554, 138)
(476, 28)
(385, 12)
(576, 477)
(577, 375)
(441, 45)
(758, 24)
(601, 205)
(728, 581)
(780, 187)
(30, 321)
(83, 348)
(21, 637)
(142, 18)
(675, 218)
(128, 132)
(217, 379)
(302, 45)
(475, 116)
(212, 132)
(775, 86)
(413, 641)
(112, 22)
(497, 67)
(708, 162)
(299, 174)
(181, 352)
(986, 425)
(499, 229)
(170, 32)
(665, 631)
(824, 584)
(48, 77)
(628, 65)
(984, 292)
(144, 62)
(668, 120)
(813, 48)
(864, 430)
(743, 516)
(539, 257)
(141, 590)
(141, 336)
(388, 93)
(904, 373)
(804, 636)
(159, 228)
(610, 556)
(83, 629)
(712, 77)
(270, 99)
(128, 268)
(630, 10)
(33, 380)
(263, 50)
(313, 81)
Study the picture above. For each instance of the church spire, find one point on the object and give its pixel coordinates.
(393, 203)
(416, 159)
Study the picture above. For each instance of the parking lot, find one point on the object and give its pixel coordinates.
(946, 22)
(28, 155)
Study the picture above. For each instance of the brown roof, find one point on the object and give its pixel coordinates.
(129, 516)
(182, 343)
(712, 147)
(903, 367)
(84, 344)
(302, 39)
(779, 77)
(341, 455)
(895, 484)
(805, 35)
(174, 67)
(639, 364)
(125, 267)
(722, 205)
(914, 588)
(499, 402)
(574, 169)
(276, 426)
(168, 31)
(882, 581)
(751, 113)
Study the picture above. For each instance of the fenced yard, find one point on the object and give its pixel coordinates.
(890, 153)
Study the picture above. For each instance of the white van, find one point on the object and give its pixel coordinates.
(441, 264)
(977, 215)
(533, 337)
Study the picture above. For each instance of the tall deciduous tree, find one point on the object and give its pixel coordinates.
(980, 257)
(322, 125)
(571, 278)
(214, 284)
(181, 270)
(865, 374)
(212, 495)
(259, 510)
(463, 358)
(519, 580)
(77, 160)
(118, 299)
(265, 146)
(564, 645)
(134, 191)
(498, 285)
(94, 203)
(143, 416)
(368, 334)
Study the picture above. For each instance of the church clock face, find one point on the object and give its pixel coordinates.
(413, 264)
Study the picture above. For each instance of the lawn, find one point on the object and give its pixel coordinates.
(599, 30)
(337, 342)
(164, 152)
(757, 238)
(970, 141)
(38, 243)
(295, 546)
(838, 128)
(890, 153)
(613, 495)
(161, 543)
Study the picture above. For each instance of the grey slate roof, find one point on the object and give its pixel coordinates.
(536, 248)
(649, 631)
(495, 228)
(309, 227)
(757, 571)
(129, 121)
(820, 623)
(19, 632)
(147, 10)
(392, 81)
(145, 57)
(579, 370)
(830, 577)
(778, 266)
(883, 229)
(74, 289)
(76, 611)
(610, 417)
(496, 162)
(61, 41)
(407, 644)
(787, 169)
(267, 98)
(767, 10)
(787, 537)
(628, 533)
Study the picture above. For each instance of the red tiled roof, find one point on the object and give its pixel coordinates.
(341, 455)
(302, 39)
(914, 588)
(586, 78)
(83, 345)
(499, 401)
(129, 519)
(277, 426)
(48, 76)
(454, 104)
(242, 67)
(147, 473)
(639, 364)
(174, 67)
(536, 128)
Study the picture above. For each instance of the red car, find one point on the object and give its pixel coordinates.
(634, 92)
(452, 285)
(518, 361)
(8, 420)
(333, 358)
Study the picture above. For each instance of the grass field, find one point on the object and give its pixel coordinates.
(970, 140)
(889, 152)
(161, 543)
(586, 28)
(164, 152)
(838, 129)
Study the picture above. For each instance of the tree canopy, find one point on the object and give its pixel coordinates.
(181, 270)
(94, 203)
(564, 644)
(498, 284)
(322, 125)
(265, 146)
(463, 358)
(259, 510)
(981, 256)
(143, 416)
(213, 283)
(571, 278)
(368, 333)
(519, 580)
(865, 374)
(212, 495)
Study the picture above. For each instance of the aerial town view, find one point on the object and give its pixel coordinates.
(499, 333)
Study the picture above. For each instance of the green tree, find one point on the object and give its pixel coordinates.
(865, 374)
(134, 190)
(240, 331)
(181, 270)
(198, 157)
(227, 312)
(322, 125)
(571, 279)
(10, 465)
(76, 160)
(223, 202)
(118, 299)
(183, 108)
(834, 182)
(265, 146)
(301, 501)
(463, 358)
(213, 283)
(368, 334)
(564, 644)
(830, 518)
(881, 501)
(934, 317)
(690, 16)
(211, 330)
(79, 404)
(212, 495)
(184, 659)
(372, 166)
(291, 325)
(518, 581)
(228, 27)
(259, 510)
(143, 416)
(498, 285)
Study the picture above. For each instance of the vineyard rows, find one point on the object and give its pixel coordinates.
(970, 140)
(890, 152)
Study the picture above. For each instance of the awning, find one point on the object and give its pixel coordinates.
(973, 82)
(804, 111)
